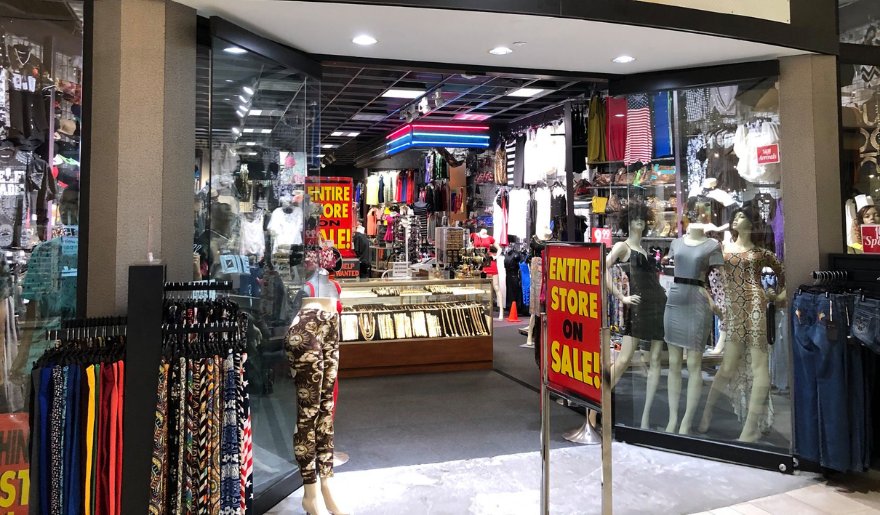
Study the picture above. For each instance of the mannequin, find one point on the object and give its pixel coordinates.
(536, 272)
(746, 323)
(482, 240)
(688, 316)
(645, 322)
(313, 353)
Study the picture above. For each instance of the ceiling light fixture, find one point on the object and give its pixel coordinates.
(367, 117)
(327, 145)
(229, 80)
(525, 92)
(364, 40)
(248, 90)
(354, 134)
(623, 59)
(256, 112)
(336, 134)
(403, 93)
(471, 117)
(227, 99)
(248, 131)
(235, 50)
(240, 114)
(251, 143)
(243, 99)
(519, 43)
(320, 155)
(501, 50)
(265, 131)
(236, 130)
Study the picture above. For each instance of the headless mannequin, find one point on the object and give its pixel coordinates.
(696, 235)
(325, 298)
(537, 249)
(760, 355)
(486, 241)
(621, 252)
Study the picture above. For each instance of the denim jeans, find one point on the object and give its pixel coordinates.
(821, 404)
(866, 323)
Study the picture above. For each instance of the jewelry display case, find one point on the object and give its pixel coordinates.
(391, 327)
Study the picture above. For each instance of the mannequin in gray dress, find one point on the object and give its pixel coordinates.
(688, 318)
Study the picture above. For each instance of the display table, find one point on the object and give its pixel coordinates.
(391, 327)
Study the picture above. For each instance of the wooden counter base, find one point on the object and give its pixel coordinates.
(415, 356)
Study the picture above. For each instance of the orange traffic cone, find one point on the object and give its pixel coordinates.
(514, 317)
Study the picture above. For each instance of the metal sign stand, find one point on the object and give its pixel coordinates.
(587, 431)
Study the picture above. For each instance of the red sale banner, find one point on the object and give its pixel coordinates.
(14, 467)
(335, 195)
(871, 239)
(768, 155)
(572, 348)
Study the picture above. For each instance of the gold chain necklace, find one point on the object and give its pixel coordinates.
(367, 325)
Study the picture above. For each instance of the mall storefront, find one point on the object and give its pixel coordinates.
(279, 134)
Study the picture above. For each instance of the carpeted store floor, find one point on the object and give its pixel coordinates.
(469, 443)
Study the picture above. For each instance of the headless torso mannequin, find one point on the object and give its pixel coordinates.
(313, 351)
(687, 319)
(536, 273)
(483, 240)
(746, 322)
(629, 252)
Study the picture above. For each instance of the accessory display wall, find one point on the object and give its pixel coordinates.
(415, 326)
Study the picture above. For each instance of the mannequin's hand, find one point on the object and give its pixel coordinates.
(631, 300)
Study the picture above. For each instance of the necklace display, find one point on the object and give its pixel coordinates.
(438, 320)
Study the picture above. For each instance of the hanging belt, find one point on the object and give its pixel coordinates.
(692, 282)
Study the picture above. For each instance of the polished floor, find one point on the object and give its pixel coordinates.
(469, 443)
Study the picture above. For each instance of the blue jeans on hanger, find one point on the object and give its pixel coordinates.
(822, 421)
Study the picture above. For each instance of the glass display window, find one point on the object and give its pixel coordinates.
(256, 223)
(860, 125)
(859, 22)
(695, 261)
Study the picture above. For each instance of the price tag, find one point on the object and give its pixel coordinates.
(602, 235)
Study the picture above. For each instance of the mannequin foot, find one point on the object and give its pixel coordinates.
(684, 430)
(670, 428)
(749, 436)
(312, 503)
(703, 428)
(327, 493)
(645, 425)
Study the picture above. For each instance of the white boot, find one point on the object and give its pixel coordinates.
(312, 502)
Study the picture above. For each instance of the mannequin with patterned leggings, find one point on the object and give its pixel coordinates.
(313, 354)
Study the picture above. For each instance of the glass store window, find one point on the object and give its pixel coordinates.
(698, 297)
(254, 219)
(860, 101)
(41, 93)
(859, 22)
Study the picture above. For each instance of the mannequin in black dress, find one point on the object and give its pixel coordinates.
(645, 304)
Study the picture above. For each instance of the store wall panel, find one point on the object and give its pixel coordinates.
(142, 143)
(810, 161)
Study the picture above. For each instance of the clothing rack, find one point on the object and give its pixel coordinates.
(199, 286)
(89, 324)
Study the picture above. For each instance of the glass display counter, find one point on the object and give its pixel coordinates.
(410, 326)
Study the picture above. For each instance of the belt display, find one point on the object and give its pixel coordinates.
(368, 322)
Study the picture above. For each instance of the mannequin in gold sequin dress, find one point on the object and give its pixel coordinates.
(746, 363)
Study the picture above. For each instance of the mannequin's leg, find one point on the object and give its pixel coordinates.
(673, 385)
(758, 397)
(653, 381)
(307, 364)
(533, 322)
(729, 364)
(499, 297)
(627, 349)
(694, 391)
(324, 430)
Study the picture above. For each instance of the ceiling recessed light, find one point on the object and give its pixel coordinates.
(240, 114)
(243, 99)
(472, 117)
(328, 145)
(623, 59)
(525, 92)
(235, 50)
(236, 130)
(229, 80)
(354, 134)
(403, 93)
(248, 90)
(226, 99)
(501, 50)
(265, 131)
(251, 143)
(364, 40)
(248, 130)
(256, 112)
(336, 134)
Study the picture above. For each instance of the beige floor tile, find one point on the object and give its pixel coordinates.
(785, 504)
(749, 509)
(725, 511)
(828, 499)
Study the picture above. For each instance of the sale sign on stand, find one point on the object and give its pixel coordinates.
(870, 239)
(335, 195)
(574, 320)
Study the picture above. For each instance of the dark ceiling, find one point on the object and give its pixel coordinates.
(349, 99)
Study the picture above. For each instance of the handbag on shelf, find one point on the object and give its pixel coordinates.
(615, 204)
(600, 204)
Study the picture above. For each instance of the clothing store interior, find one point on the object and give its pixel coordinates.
(414, 199)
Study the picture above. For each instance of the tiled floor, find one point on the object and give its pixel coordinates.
(819, 499)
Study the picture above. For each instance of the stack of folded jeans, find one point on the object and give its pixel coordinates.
(835, 341)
